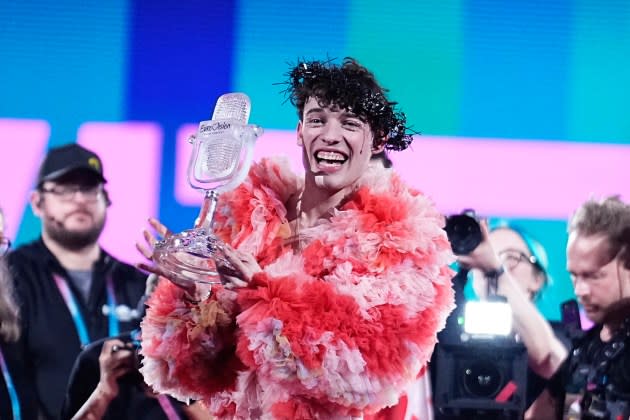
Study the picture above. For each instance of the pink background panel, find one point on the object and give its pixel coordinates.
(131, 154)
(501, 177)
(23, 145)
(514, 178)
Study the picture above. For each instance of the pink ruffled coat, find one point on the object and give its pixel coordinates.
(339, 330)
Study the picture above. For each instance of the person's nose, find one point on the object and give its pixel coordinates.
(80, 196)
(581, 288)
(332, 133)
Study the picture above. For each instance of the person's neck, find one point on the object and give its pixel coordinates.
(317, 203)
(73, 259)
(607, 332)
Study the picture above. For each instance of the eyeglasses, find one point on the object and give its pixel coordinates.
(5, 245)
(68, 192)
(511, 259)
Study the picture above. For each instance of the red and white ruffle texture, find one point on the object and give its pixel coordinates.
(339, 330)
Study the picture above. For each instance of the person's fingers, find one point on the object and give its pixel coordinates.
(231, 282)
(146, 252)
(485, 230)
(151, 269)
(149, 238)
(121, 370)
(233, 259)
(188, 286)
(465, 261)
(109, 345)
(162, 230)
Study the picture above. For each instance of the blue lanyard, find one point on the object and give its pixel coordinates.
(15, 402)
(79, 323)
(163, 400)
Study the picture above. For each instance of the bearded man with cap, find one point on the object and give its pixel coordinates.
(71, 291)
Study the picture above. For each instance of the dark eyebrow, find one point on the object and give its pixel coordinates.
(350, 114)
(313, 110)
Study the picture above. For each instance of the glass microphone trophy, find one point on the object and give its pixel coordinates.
(222, 154)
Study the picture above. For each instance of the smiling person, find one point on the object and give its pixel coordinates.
(69, 289)
(340, 279)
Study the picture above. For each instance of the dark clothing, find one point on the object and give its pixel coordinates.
(25, 394)
(131, 403)
(50, 342)
(598, 371)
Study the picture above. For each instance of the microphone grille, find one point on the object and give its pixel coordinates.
(232, 106)
(218, 158)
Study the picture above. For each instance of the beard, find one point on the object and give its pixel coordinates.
(74, 240)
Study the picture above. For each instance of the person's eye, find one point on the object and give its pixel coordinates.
(598, 275)
(89, 189)
(353, 124)
(314, 121)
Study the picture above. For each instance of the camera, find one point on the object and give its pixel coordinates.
(480, 379)
(463, 232)
(480, 367)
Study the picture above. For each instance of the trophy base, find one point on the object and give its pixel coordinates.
(191, 256)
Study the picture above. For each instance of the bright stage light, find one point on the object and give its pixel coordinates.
(487, 319)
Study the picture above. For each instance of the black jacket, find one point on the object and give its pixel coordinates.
(50, 342)
(25, 393)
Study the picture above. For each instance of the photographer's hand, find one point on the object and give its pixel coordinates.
(115, 360)
(483, 257)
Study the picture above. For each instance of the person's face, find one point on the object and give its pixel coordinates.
(598, 281)
(337, 145)
(516, 257)
(72, 210)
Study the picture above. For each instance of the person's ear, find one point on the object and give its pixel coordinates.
(300, 139)
(379, 145)
(538, 283)
(36, 199)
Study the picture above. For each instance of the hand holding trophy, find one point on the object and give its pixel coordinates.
(222, 154)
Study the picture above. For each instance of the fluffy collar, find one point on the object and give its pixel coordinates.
(382, 223)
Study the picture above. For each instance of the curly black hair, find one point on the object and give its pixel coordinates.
(349, 86)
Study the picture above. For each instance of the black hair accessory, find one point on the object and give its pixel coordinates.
(349, 86)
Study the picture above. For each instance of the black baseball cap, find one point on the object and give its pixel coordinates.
(72, 157)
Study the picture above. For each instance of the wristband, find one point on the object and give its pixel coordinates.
(494, 274)
(493, 279)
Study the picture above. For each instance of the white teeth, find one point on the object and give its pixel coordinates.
(330, 156)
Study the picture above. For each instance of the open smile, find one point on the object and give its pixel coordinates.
(330, 159)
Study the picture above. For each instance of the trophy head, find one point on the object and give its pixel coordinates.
(223, 146)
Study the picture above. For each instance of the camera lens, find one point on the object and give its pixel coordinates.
(464, 233)
(482, 379)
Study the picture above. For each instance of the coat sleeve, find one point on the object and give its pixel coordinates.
(188, 348)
